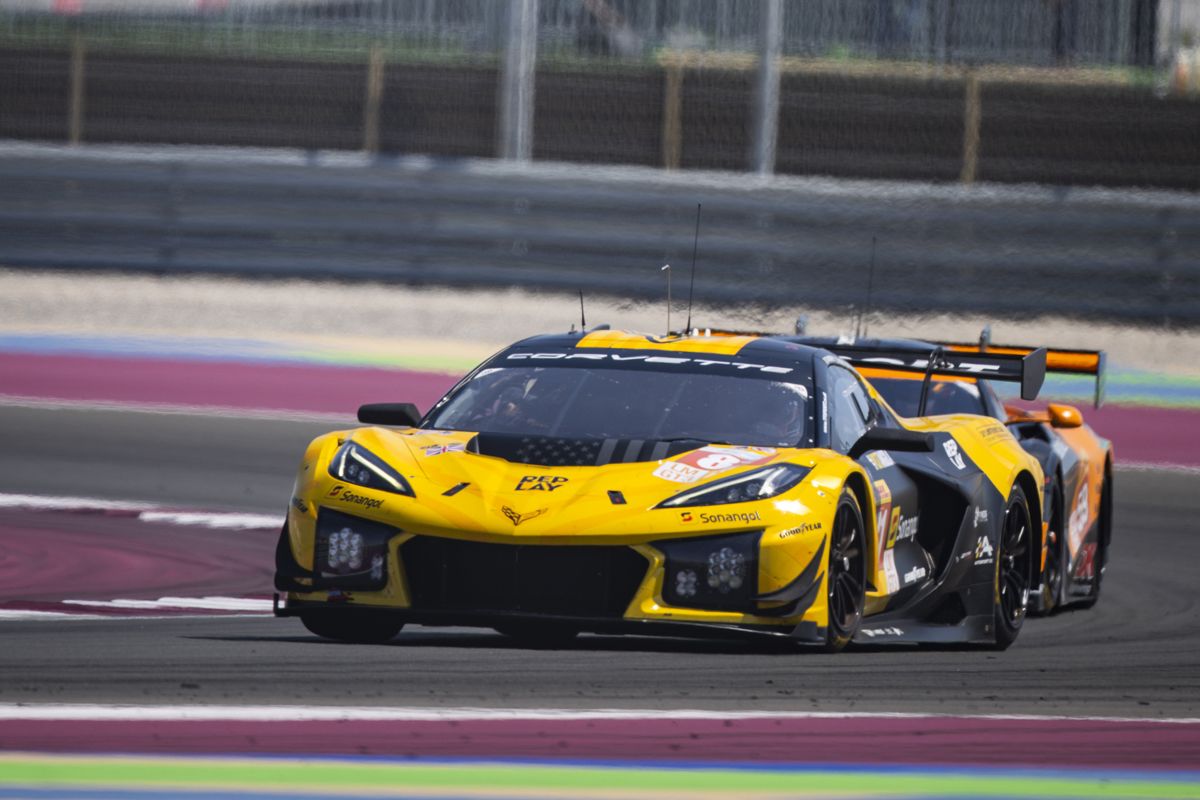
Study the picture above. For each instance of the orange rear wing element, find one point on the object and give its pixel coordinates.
(1070, 362)
(1028, 368)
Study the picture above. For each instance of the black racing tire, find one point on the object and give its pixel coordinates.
(365, 626)
(541, 635)
(1054, 576)
(1010, 599)
(846, 576)
(1102, 538)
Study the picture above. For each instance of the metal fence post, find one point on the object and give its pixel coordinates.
(517, 82)
(75, 101)
(972, 116)
(672, 125)
(373, 99)
(766, 95)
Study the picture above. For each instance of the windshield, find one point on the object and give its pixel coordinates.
(945, 396)
(574, 402)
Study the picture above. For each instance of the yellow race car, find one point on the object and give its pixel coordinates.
(697, 484)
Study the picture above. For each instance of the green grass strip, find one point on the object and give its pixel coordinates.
(451, 365)
(389, 778)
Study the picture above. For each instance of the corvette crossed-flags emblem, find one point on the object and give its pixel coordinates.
(517, 518)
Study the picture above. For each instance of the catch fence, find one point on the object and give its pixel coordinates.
(1050, 91)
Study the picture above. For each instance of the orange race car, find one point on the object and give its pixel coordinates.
(1078, 464)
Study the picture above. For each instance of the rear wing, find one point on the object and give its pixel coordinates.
(1026, 368)
(1070, 362)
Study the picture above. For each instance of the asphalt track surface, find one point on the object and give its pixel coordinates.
(1134, 655)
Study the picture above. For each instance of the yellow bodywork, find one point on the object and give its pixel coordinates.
(578, 510)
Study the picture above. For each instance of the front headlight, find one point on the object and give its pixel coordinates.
(757, 484)
(719, 573)
(350, 552)
(353, 463)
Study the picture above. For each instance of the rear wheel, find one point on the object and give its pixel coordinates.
(539, 634)
(1054, 572)
(847, 573)
(1011, 597)
(365, 626)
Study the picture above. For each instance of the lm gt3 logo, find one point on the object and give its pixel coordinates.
(540, 483)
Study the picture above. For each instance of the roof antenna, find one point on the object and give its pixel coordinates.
(667, 268)
(859, 330)
(692, 288)
(582, 318)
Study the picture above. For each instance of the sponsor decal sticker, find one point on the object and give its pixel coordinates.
(711, 460)
(984, 551)
(344, 495)
(981, 516)
(923, 363)
(913, 575)
(889, 572)
(902, 527)
(716, 458)
(881, 459)
(993, 432)
(803, 527)
(439, 449)
(679, 473)
(1085, 565)
(540, 483)
(1077, 525)
(871, 633)
(738, 366)
(883, 513)
(951, 448)
(745, 516)
(685, 516)
(299, 505)
(517, 518)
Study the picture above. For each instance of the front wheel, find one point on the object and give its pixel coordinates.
(1011, 596)
(366, 626)
(847, 573)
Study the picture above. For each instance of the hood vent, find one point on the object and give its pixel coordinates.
(554, 451)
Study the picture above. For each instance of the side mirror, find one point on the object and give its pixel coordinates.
(894, 439)
(389, 414)
(1064, 416)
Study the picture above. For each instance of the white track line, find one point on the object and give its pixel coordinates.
(218, 520)
(252, 713)
(7, 614)
(193, 603)
(39, 502)
(1150, 466)
(145, 512)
